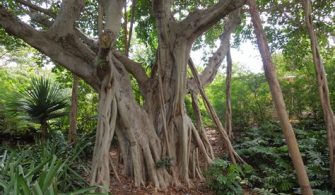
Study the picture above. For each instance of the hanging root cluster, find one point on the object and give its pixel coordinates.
(160, 149)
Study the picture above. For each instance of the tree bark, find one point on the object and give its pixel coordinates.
(107, 107)
(158, 141)
(44, 130)
(228, 116)
(74, 107)
(277, 96)
(323, 88)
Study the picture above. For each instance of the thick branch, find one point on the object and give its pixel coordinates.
(55, 50)
(113, 14)
(199, 21)
(69, 12)
(164, 17)
(45, 21)
(209, 73)
(91, 43)
(132, 67)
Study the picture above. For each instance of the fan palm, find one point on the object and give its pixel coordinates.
(42, 101)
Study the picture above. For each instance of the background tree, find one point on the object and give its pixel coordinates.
(270, 74)
(323, 87)
(228, 115)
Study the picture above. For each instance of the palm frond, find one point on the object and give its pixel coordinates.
(42, 101)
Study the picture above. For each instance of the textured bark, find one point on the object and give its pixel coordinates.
(67, 15)
(73, 113)
(277, 97)
(228, 115)
(158, 142)
(104, 134)
(323, 88)
(108, 107)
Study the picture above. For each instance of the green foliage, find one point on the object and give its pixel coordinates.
(42, 101)
(261, 191)
(264, 148)
(251, 100)
(14, 78)
(87, 102)
(48, 168)
(226, 178)
(17, 78)
(164, 162)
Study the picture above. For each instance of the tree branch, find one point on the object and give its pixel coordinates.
(164, 17)
(133, 68)
(209, 73)
(113, 14)
(199, 21)
(80, 65)
(37, 8)
(67, 15)
(45, 21)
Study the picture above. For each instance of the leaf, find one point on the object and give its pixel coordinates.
(51, 173)
(23, 185)
(37, 189)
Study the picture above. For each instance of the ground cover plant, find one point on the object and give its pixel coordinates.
(53, 167)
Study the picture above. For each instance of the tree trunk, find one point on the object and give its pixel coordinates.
(323, 89)
(228, 116)
(105, 131)
(44, 130)
(73, 113)
(180, 139)
(277, 97)
(158, 141)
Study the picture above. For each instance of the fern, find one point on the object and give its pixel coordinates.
(265, 150)
(226, 178)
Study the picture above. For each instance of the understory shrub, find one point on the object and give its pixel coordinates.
(53, 167)
(265, 150)
(226, 178)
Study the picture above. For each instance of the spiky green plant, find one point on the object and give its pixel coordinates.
(46, 168)
(41, 101)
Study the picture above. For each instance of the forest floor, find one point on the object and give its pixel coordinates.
(126, 187)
